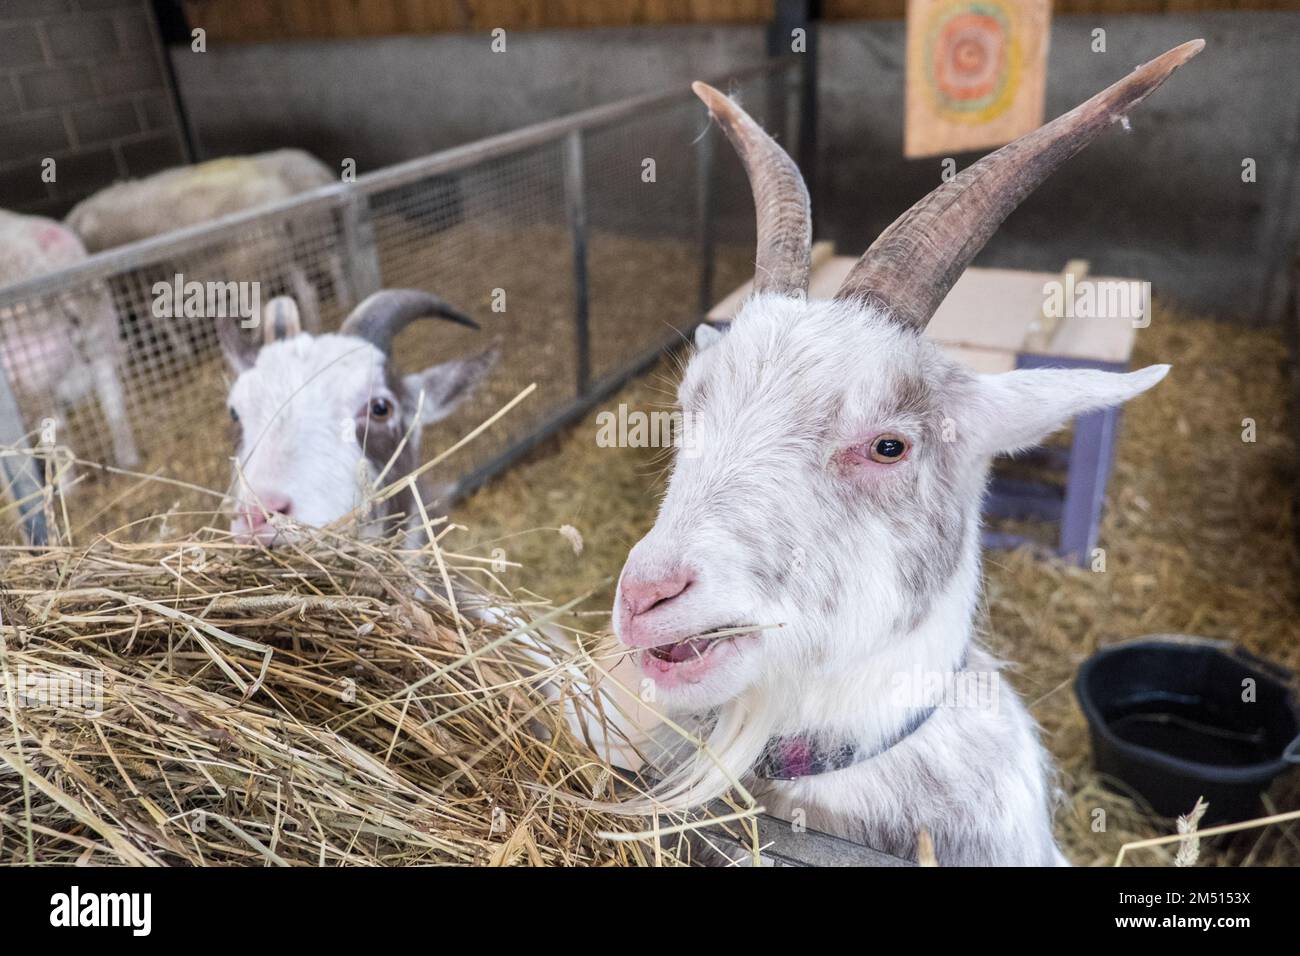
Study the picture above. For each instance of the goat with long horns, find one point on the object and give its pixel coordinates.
(809, 587)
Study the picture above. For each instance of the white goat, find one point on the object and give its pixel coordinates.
(67, 348)
(188, 195)
(833, 500)
(321, 418)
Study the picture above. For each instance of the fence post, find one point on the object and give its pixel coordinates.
(364, 273)
(21, 476)
(575, 205)
(705, 210)
(789, 15)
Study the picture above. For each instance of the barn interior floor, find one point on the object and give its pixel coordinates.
(1198, 534)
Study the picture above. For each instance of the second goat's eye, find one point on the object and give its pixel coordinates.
(381, 409)
(234, 415)
(888, 448)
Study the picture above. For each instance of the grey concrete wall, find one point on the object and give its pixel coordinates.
(392, 98)
(1164, 202)
(82, 83)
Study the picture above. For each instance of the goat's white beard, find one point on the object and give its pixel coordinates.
(731, 739)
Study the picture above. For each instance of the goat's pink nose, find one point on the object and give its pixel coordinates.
(255, 513)
(640, 596)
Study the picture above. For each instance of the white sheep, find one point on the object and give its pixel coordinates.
(189, 195)
(321, 418)
(830, 508)
(64, 348)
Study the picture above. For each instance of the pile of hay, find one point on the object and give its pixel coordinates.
(193, 702)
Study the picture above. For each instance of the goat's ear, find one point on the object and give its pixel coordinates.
(445, 386)
(280, 319)
(1017, 410)
(240, 350)
(707, 335)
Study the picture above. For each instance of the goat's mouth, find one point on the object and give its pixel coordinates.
(697, 646)
(269, 534)
(266, 536)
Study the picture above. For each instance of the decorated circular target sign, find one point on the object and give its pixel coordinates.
(971, 60)
(975, 72)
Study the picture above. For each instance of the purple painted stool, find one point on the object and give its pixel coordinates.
(1077, 509)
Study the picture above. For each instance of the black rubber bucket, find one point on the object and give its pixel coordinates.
(1171, 718)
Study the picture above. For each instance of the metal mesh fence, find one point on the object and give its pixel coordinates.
(493, 240)
(582, 246)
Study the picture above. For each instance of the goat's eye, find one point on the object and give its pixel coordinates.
(888, 449)
(381, 409)
(234, 415)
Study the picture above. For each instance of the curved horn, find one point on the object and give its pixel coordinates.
(784, 258)
(914, 263)
(382, 315)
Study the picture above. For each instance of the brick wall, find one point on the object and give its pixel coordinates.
(82, 83)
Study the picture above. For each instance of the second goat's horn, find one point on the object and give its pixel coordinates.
(383, 314)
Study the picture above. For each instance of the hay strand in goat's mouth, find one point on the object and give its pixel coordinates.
(190, 702)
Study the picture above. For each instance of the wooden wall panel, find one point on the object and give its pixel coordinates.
(894, 9)
(238, 20)
(244, 21)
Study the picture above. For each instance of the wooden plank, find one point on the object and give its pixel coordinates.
(986, 317)
(985, 361)
(783, 845)
(895, 9)
(821, 254)
(1044, 326)
(1102, 339)
(241, 21)
(823, 258)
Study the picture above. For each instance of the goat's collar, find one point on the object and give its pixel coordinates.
(803, 755)
(800, 755)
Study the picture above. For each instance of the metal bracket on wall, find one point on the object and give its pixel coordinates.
(788, 16)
